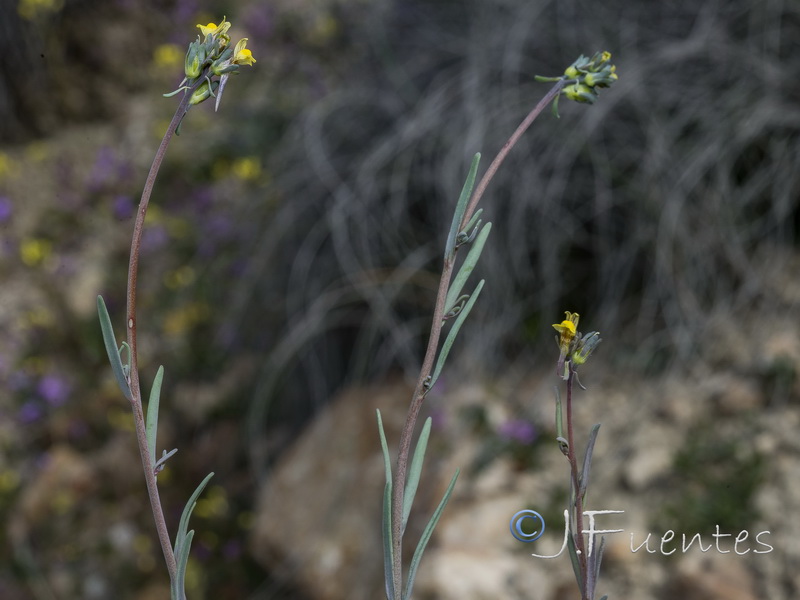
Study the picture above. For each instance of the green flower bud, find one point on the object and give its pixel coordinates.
(195, 57)
(580, 93)
(204, 92)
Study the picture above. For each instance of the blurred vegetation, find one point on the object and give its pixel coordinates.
(714, 482)
(295, 240)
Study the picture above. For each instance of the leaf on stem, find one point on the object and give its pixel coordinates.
(111, 348)
(559, 418)
(151, 423)
(451, 336)
(387, 461)
(573, 556)
(587, 462)
(178, 586)
(426, 536)
(473, 222)
(466, 269)
(388, 553)
(182, 535)
(386, 524)
(461, 207)
(415, 470)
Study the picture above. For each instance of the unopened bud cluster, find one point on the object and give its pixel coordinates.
(586, 76)
(211, 55)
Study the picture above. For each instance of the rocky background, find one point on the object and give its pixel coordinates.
(289, 269)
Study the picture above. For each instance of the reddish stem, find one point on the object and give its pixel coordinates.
(398, 485)
(130, 326)
(573, 463)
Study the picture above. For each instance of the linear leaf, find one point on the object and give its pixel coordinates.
(151, 424)
(182, 559)
(387, 461)
(180, 537)
(451, 336)
(573, 556)
(426, 536)
(461, 207)
(587, 461)
(599, 559)
(388, 553)
(473, 220)
(110, 343)
(466, 269)
(415, 470)
(559, 417)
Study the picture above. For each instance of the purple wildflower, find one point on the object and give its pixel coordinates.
(54, 389)
(518, 430)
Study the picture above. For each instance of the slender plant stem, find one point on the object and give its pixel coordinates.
(573, 463)
(398, 485)
(130, 326)
(501, 156)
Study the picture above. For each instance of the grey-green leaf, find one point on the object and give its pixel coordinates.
(587, 461)
(415, 470)
(466, 269)
(559, 418)
(388, 553)
(387, 461)
(473, 220)
(461, 207)
(183, 526)
(182, 559)
(573, 556)
(426, 536)
(110, 343)
(451, 336)
(151, 423)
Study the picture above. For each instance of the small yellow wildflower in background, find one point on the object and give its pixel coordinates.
(32, 9)
(8, 167)
(34, 251)
(180, 277)
(37, 151)
(247, 167)
(167, 56)
(215, 503)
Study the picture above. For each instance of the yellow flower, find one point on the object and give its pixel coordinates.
(567, 329)
(213, 29)
(241, 55)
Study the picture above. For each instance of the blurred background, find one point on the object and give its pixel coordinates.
(289, 267)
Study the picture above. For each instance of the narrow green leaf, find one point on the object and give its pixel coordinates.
(110, 343)
(415, 470)
(426, 536)
(180, 537)
(451, 336)
(559, 417)
(388, 553)
(466, 269)
(573, 556)
(387, 461)
(151, 423)
(472, 222)
(182, 559)
(587, 461)
(598, 558)
(461, 207)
